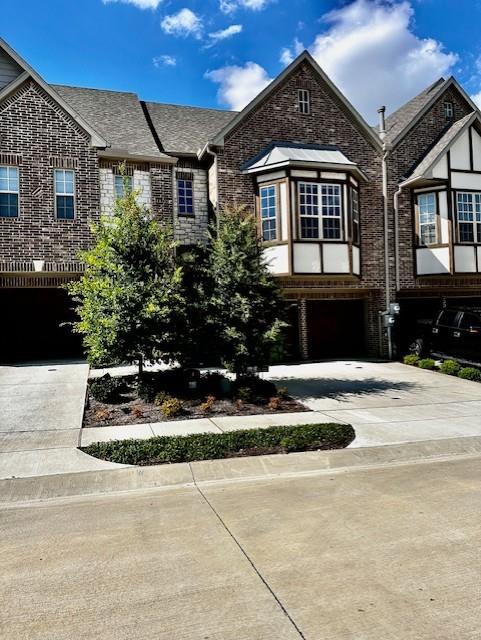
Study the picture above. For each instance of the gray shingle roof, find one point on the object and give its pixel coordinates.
(116, 115)
(186, 129)
(399, 120)
(443, 143)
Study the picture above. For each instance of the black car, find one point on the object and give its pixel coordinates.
(455, 333)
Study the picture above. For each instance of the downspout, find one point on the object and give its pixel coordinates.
(385, 154)
(208, 149)
(396, 235)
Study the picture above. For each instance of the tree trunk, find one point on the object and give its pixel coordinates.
(141, 366)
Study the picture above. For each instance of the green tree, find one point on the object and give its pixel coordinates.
(245, 307)
(130, 299)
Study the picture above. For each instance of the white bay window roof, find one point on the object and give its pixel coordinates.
(280, 155)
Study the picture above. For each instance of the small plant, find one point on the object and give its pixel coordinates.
(208, 405)
(102, 415)
(245, 394)
(171, 408)
(450, 367)
(411, 359)
(283, 393)
(161, 397)
(137, 412)
(106, 389)
(470, 373)
(427, 363)
(239, 404)
(274, 403)
(254, 389)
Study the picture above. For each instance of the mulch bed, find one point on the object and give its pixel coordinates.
(132, 410)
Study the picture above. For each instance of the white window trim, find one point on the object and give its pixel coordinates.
(474, 222)
(17, 192)
(355, 215)
(271, 217)
(434, 221)
(304, 101)
(58, 193)
(320, 215)
(448, 110)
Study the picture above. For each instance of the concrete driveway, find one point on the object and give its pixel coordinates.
(361, 554)
(41, 409)
(386, 402)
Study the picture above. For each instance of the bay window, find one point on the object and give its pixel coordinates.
(468, 207)
(320, 211)
(268, 205)
(427, 212)
(9, 192)
(64, 194)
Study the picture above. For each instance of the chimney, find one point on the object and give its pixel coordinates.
(382, 121)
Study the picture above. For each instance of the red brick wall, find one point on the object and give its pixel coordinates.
(35, 128)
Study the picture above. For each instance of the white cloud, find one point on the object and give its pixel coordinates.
(140, 4)
(184, 23)
(288, 54)
(476, 98)
(371, 52)
(164, 61)
(229, 6)
(239, 85)
(223, 34)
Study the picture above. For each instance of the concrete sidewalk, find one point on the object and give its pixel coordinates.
(41, 411)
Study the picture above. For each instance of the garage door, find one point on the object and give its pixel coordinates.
(30, 325)
(336, 329)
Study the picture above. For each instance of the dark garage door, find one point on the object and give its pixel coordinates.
(30, 328)
(336, 329)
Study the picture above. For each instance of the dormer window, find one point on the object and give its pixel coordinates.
(304, 101)
(448, 110)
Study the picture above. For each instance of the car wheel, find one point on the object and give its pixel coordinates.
(417, 347)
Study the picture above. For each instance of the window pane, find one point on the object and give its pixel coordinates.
(185, 196)
(65, 207)
(268, 212)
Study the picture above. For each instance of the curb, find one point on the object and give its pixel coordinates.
(22, 490)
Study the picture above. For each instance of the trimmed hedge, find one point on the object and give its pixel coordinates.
(211, 446)
(427, 363)
(470, 373)
(450, 367)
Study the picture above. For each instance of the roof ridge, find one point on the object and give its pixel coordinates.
(425, 91)
(73, 86)
(190, 106)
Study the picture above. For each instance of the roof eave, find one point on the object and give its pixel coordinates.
(96, 139)
(303, 164)
(121, 154)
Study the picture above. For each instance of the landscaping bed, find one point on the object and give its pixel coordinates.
(448, 367)
(177, 395)
(232, 444)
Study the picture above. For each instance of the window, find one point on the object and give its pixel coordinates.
(448, 318)
(469, 217)
(320, 211)
(448, 110)
(304, 101)
(185, 196)
(427, 211)
(119, 185)
(64, 194)
(8, 192)
(355, 215)
(470, 322)
(269, 212)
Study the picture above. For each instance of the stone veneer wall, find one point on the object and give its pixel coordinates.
(141, 181)
(192, 229)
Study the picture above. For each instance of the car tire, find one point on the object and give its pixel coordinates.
(417, 347)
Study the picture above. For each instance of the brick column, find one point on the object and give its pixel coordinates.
(303, 339)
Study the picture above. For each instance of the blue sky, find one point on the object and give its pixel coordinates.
(220, 53)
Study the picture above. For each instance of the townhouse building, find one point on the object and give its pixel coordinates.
(352, 217)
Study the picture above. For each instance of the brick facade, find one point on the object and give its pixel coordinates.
(38, 131)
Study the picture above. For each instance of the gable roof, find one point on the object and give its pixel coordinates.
(183, 129)
(441, 147)
(119, 118)
(399, 123)
(96, 139)
(305, 56)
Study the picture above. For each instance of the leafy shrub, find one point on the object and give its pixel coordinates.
(171, 408)
(210, 446)
(102, 415)
(149, 384)
(283, 392)
(161, 397)
(253, 389)
(147, 387)
(427, 363)
(208, 405)
(450, 367)
(470, 373)
(137, 412)
(107, 389)
(411, 360)
(214, 383)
